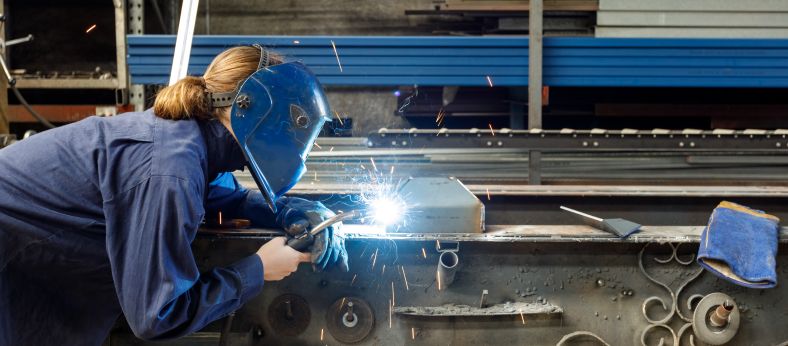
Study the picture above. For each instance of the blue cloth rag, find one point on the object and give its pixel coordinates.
(740, 245)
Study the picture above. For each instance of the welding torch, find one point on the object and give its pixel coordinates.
(302, 241)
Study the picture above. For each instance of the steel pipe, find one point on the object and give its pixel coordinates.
(447, 268)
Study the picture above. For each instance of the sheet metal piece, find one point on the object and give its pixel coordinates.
(585, 140)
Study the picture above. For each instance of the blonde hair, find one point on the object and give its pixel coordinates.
(188, 98)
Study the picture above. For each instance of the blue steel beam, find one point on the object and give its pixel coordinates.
(467, 61)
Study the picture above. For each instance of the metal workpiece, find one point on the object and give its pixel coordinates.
(618, 293)
(505, 309)
(772, 141)
(439, 205)
(501, 234)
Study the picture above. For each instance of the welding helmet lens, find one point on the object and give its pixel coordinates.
(276, 115)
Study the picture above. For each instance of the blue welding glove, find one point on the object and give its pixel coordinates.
(297, 215)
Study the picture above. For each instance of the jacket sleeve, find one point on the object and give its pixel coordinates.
(225, 194)
(150, 228)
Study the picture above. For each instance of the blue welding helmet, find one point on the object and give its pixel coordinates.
(276, 116)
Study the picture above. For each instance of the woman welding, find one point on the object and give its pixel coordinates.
(97, 217)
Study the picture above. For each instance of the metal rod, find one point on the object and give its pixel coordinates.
(207, 17)
(534, 167)
(581, 214)
(350, 315)
(16, 41)
(535, 64)
(7, 72)
(720, 316)
(183, 42)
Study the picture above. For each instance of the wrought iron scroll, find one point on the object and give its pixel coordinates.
(672, 309)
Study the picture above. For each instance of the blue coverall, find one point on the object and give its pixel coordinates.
(97, 217)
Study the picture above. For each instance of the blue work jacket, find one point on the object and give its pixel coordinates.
(97, 218)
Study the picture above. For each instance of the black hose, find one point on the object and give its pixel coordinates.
(32, 111)
(224, 337)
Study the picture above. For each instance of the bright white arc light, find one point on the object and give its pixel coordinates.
(385, 211)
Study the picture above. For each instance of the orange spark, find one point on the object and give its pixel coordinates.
(220, 217)
(340, 119)
(318, 145)
(491, 129)
(522, 317)
(489, 81)
(438, 274)
(90, 29)
(488, 193)
(413, 333)
(321, 334)
(440, 117)
(337, 55)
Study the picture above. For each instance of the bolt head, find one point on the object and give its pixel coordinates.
(243, 101)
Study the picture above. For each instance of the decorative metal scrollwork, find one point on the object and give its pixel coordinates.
(581, 335)
(673, 308)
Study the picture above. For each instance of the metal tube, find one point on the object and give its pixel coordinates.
(447, 268)
(183, 42)
(720, 316)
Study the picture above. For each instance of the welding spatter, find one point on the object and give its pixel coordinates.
(302, 241)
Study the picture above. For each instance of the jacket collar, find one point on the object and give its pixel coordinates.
(223, 151)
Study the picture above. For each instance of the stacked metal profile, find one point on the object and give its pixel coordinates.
(468, 61)
(697, 18)
(499, 6)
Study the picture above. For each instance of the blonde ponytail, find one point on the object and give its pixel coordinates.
(188, 99)
(185, 99)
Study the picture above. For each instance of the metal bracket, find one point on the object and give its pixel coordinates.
(441, 248)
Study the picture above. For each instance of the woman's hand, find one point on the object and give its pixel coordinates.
(297, 215)
(279, 260)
